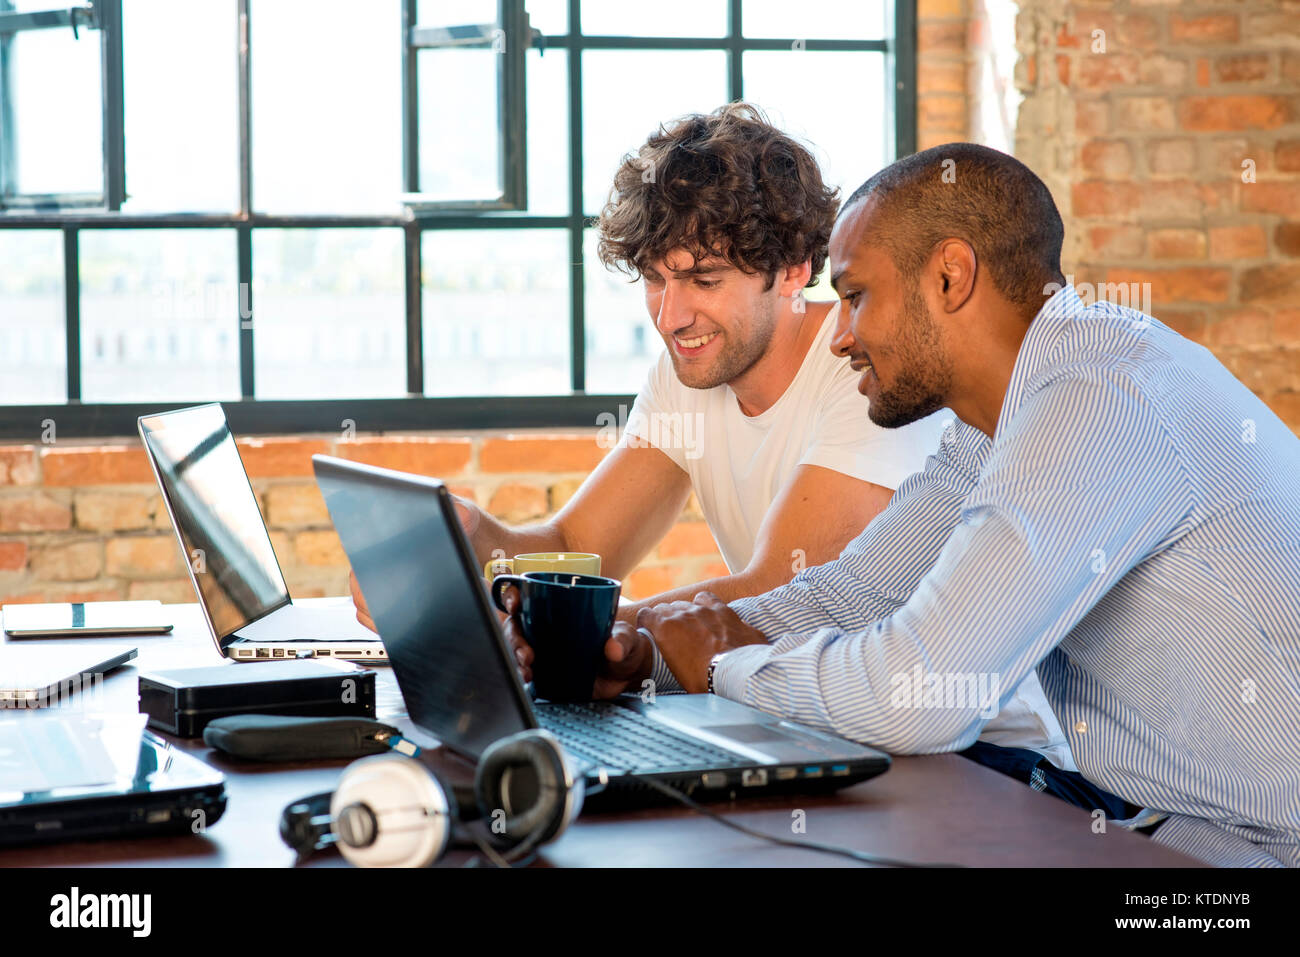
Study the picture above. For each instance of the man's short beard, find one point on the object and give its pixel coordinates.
(925, 375)
(730, 365)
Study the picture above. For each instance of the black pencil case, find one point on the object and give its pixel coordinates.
(183, 702)
(267, 737)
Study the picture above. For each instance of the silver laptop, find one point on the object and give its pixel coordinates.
(48, 676)
(227, 551)
(460, 683)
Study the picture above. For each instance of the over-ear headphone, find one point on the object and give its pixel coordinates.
(392, 811)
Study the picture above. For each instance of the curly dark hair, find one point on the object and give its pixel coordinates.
(725, 184)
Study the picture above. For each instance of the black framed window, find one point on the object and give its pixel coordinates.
(268, 251)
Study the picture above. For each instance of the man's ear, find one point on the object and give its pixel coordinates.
(955, 261)
(791, 279)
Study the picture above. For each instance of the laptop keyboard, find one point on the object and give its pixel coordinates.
(618, 737)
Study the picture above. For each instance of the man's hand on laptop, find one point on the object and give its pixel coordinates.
(358, 599)
(689, 634)
(628, 655)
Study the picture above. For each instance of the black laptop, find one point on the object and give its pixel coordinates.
(460, 683)
(144, 787)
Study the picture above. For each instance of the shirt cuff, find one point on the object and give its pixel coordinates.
(735, 668)
(660, 674)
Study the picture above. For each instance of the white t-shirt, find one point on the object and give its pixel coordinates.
(738, 463)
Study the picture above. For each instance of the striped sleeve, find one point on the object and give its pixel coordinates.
(1082, 485)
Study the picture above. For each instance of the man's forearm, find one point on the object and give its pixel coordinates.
(494, 539)
(728, 588)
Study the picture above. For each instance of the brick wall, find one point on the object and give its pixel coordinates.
(83, 522)
(1170, 136)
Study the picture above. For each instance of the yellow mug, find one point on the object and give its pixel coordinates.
(577, 563)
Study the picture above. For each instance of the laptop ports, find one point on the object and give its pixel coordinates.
(753, 777)
(277, 653)
(264, 652)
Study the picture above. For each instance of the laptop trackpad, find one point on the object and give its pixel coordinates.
(750, 733)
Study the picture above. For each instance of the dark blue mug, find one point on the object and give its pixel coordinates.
(566, 619)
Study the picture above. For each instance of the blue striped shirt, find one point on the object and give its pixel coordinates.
(1133, 531)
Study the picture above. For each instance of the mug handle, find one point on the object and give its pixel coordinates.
(500, 582)
(487, 569)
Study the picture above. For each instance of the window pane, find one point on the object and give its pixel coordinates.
(822, 19)
(460, 133)
(622, 342)
(549, 16)
(791, 89)
(548, 132)
(56, 76)
(33, 367)
(496, 312)
(182, 150)
(327, 97)
(159, 315)
(432, 13)
(665, 18)
(665, 84)
(328, 313)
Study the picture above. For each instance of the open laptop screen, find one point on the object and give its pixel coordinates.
(215, 513)
(422, 585)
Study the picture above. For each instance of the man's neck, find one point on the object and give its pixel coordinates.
(983, 375)
(763, 383)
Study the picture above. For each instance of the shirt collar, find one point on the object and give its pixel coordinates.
(1036, 348)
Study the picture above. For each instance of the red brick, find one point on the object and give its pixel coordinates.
(1187, 284)
(1238, 242)
(142, 557)
(95, 465)
(1177, 244)
(425, 456)
(290, 505)
(1280, 198)
(1095, 198)
(113, 511)
(1291, 66)
(1287, 238)
(1116, 242)
(554, 453)
(1202, 71)
(940, 77)
(516, 502)
(1091, 116)
(1278, 282)
(942, 111)
(1171, 157)
(1138, 30)
(1243, 67)
(940, 9)
(1211, 29)
(13, 556)
(652, 580)
(1216, 113)
(1286, 327)
(1063, 69)
(171, 591)
(78, 561)
(1173, 199)
(18, 465)
(1287, 156)
(1106, 72)
(34, 513)
(1107, 159)
(275, 458)
(1160, 70)
(110, 593)
(320, 548)
(687, 539)
(1189, 324)
(1276, 26)
(944, 36)
(1240, 327)
(1142, 114)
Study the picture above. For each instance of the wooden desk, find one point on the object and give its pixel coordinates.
(940, 808)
